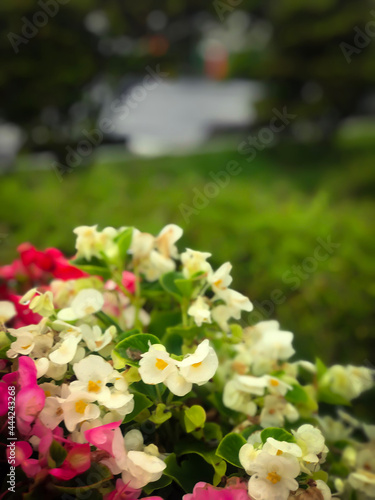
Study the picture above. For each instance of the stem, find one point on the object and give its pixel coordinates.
(107, 320)
(137, 322)
(185, 319)
(158, 393)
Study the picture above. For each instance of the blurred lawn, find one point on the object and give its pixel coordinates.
(265, 221)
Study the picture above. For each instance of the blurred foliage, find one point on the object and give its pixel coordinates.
(265, 221)
(302, 63)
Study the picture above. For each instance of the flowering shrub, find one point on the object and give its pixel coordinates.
(128, 372)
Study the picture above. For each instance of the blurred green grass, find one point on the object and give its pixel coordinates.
(265, 221)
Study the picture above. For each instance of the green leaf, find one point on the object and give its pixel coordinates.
(168, 282)
(123, 241)
(141, 402)
(326, 395)
(89, 480)
(278, 434)
(194, 418)
(96, 271)
(212, 432)
(185, 286)
(160, 414)
(129, 333)
(149, 390)
(189, 446)
(161, 320)
(157, 485)
(133, 346)
(173, 343)
(237, 333)
(187, 332)
(320, 368)
(188, 471)
(249, 430)
(57, 453)
(229, 448)
(297, 395)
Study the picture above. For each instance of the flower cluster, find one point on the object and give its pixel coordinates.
(133, 375)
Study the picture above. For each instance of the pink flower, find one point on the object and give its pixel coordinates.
(128, 281)
(77, 461)
(21, 456)
(203, 491)
(123, 492)
(102, 436)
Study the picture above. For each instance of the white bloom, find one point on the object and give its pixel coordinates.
(141, 245)
(166, 239)
(25, 299)
(275, 447)
(42, 365)
(133, 440)
(275, 345)
(92, 375)
(56, 371)
(364, 481)
(141, 469)
(90, 242)
(277, 386)
(128, 316)
(221, 315)
(42, 345)
(156, 365)
(247, 456)
(276, 409)
(311, 441)
(348, 381)
(52, 413)
(194, 262)
(238, 393)
(324, 489)
(7, 311)
(221, 279)
(236, 302)
(65, 351)
(177, 384)
(273, 477)
(199, 367)
(78, 407)
(87, 301)
(43, 304)
(23, 345)
(200, 311)
(95, 339)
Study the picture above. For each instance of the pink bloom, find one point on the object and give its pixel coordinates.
(204, 491)
(128, 281)
(23, 452)
(77, 461)
(102, 436)
(123, 492)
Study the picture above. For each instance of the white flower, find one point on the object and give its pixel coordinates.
(87, 301)
(141, 245)
(52, 413)
(23, 345)
(276, 409)
(364, 481)
(311, 441)
(221, 279)
(324, 489)
(238, 398)
(166, 239)
(274, 344)
(92, 375)
(56, 371)
(95, 339)
(78, 407)
(128, 316)
(90, 242)
(200, 311)
(194, 262)
(348, 381)
(7, 311)
(25, 299)
(236, 302)
(275, 447)
(65, 351)
(43, 304)
(273, 477)
(42, 365)
(277, 386)
(199, 367)
(141, 469)
(247, 456)
(177, 384)
(156, 365)
(221, 315)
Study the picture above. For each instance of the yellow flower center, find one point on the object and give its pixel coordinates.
(273, 477)
(274, 382)
(80, 406)
(47, 394)
(94, 386)
(196, 365)
(89, 309)
(161, 364)
(26, 346)
(218, 282)
(279, 452)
